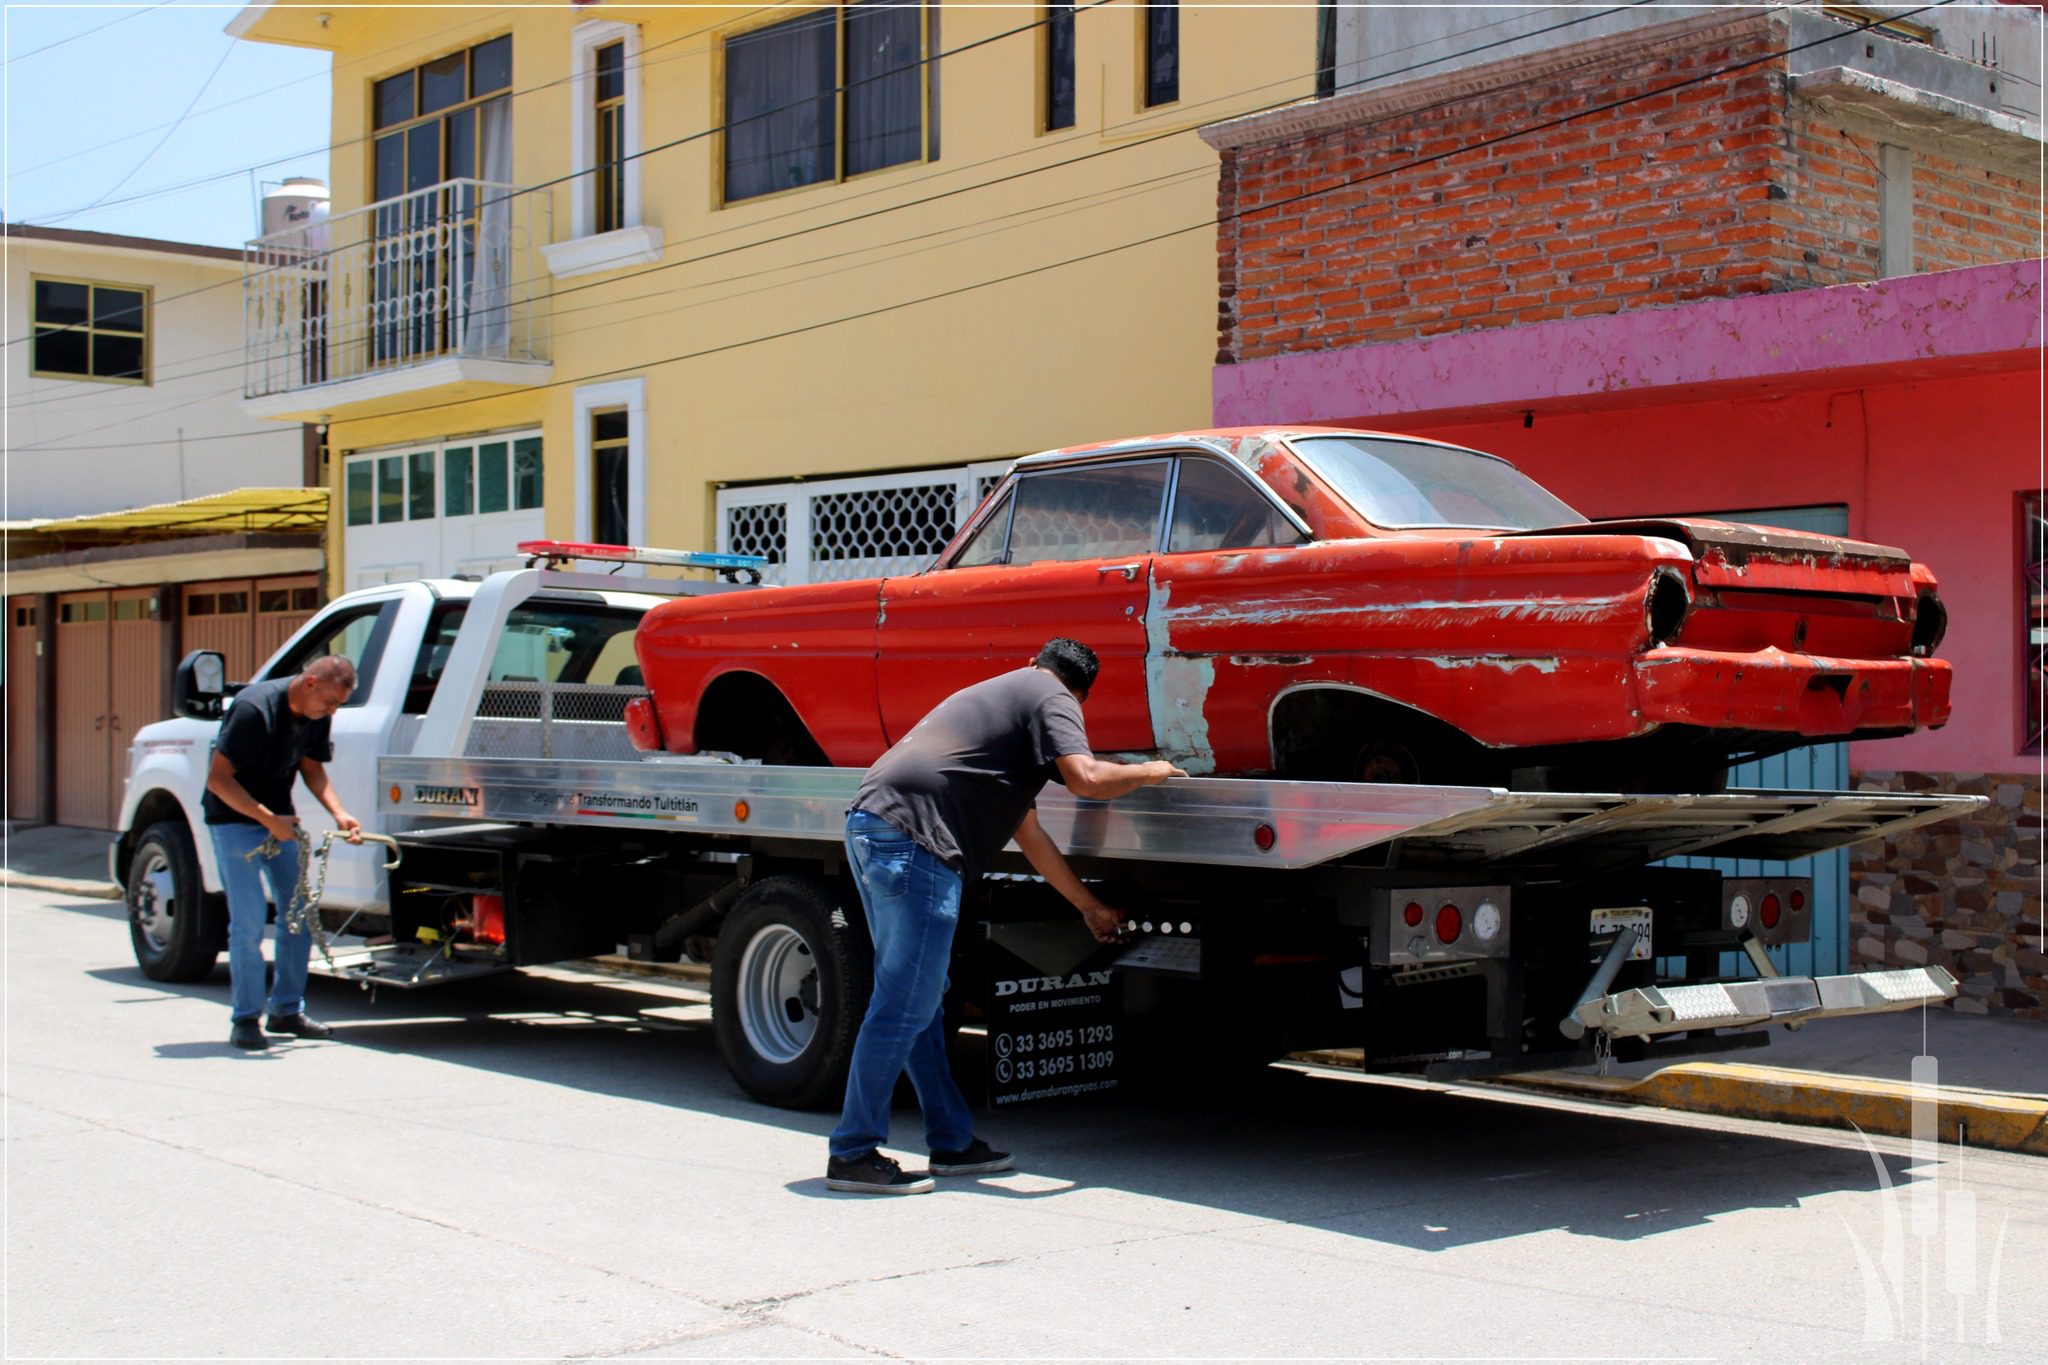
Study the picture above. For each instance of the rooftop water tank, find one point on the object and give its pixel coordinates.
(299, 204)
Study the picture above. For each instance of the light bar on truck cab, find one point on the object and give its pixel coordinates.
(560, 551)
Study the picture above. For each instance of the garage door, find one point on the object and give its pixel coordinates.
(109, 684)
(24, 802)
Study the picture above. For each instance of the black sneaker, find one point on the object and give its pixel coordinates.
(976, 1158)
(244, 1033)
(302, 1024)
(874, 1174)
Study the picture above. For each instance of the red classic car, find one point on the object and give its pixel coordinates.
(1332, 604)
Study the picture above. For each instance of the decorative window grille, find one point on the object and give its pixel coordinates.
(871, 527)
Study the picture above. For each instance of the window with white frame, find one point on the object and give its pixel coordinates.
(874, 526)
(611, 463)
(438, 508)
(606, 231)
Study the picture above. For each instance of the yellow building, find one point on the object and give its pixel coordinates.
(613, 273)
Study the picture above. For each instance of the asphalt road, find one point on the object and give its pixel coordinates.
(555, 1165)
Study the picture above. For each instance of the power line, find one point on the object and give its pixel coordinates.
(85, 33)
(617, 279)
(169, 133)
(1152, 239)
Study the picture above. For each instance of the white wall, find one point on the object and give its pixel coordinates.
(1389, 42)
(79, 446)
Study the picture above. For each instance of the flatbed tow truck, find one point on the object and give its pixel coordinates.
(1450, 931)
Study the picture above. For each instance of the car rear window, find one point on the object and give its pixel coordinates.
(1407, 484)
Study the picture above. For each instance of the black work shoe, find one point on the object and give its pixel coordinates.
(245, 1033)
(874, 1174)
(302, 1024)
(976, 1158)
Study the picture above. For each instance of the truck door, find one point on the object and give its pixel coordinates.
(363, 633)
(1067, 552)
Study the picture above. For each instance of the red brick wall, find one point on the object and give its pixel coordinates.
(1721, 188)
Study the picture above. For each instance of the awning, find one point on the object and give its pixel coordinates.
(243, 511)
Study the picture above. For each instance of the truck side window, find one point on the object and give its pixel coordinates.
(1093, 512)
(433, 656)
(564, 642)
(1215, 508)
(357, 633)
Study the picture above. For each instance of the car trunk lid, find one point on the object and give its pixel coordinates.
(1732, 555)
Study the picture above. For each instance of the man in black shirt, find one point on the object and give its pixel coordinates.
(274, 733)
(932, 812)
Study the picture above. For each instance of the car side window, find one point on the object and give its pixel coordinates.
(1088, 512)
(358, 634)
(986, 545)
(1215, 508)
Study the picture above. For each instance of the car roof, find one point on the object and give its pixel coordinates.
(1224, 441)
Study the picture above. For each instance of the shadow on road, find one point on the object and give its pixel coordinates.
(1411, 1166)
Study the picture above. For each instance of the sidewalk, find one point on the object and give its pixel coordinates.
(1993, 1072)
(71, 862)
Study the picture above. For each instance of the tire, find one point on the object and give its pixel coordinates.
(789, 984)
(174, 936)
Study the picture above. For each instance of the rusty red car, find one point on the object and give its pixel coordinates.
(1331, 604)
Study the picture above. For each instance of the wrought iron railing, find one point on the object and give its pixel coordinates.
(450, 270)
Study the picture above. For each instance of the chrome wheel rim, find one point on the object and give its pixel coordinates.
(778, 996)
(152, 902)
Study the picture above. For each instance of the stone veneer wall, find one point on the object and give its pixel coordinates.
(1964, 894)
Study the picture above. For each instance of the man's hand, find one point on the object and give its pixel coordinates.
(1158, 770)
(1105, 923)
(279, 827)
(350, 827)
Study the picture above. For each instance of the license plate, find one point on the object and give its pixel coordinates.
(1636, 917)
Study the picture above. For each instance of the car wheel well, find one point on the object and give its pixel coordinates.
(1333, 734)
(745, 714)
(158, 805)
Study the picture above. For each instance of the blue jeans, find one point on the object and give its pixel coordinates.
(243, 880)
(913, 905)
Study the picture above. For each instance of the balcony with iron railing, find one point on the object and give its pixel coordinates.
(442, 290)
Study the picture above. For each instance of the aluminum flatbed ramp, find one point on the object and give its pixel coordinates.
(1245, 822)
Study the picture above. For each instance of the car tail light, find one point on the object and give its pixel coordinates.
(1798, 899)
(1767, 913)
(1413, 914)
(1450, 922)
(1667, 606)
(643, 725)
(1264, 838)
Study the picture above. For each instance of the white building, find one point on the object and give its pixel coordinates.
(145, 512)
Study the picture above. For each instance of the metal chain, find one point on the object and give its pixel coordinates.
(302, 914)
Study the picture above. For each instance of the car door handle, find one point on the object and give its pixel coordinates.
(1129, 571)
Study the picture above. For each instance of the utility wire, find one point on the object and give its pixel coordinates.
(919, 202)
(1166, 235)
(85, 33)
(169, 133)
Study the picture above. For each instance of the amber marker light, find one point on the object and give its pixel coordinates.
(741, 810)
(395, 795)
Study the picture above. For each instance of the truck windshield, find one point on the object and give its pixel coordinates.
(1406, 484)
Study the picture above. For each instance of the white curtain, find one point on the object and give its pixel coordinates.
(487, 319)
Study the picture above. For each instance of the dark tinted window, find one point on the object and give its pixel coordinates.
(1089, 512)
(357, 633)
(1217, 508)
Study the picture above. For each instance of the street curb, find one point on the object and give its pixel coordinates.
(1985, 1119)
(63, 886)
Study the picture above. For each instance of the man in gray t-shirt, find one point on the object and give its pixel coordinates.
(933, 811)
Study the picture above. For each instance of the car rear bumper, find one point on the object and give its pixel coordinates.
(1797, 693)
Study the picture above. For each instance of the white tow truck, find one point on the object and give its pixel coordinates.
(1446, 930)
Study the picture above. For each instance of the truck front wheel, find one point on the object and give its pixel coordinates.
(167, 919)
(789, 984)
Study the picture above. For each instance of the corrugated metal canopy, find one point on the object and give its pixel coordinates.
(242, 511)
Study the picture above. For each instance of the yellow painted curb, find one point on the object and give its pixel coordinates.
(1981, 1118)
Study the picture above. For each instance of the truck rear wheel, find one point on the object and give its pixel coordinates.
(172, 934)
(789, 984)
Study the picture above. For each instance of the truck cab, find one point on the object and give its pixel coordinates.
(402, 638)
